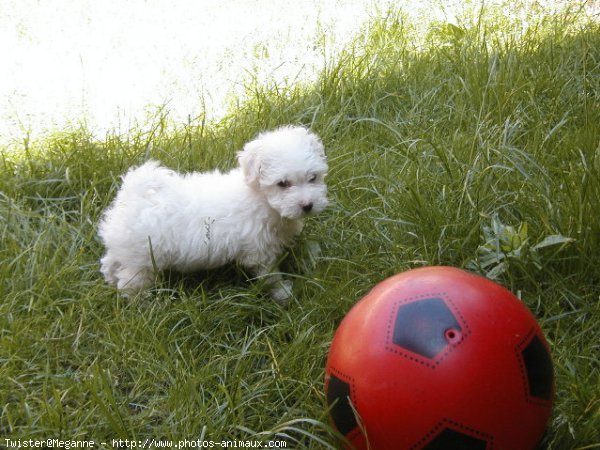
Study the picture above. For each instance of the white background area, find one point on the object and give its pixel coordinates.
(109, 63)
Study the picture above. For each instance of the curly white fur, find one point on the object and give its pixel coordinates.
(163, 220)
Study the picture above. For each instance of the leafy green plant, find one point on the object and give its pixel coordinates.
(506, 244)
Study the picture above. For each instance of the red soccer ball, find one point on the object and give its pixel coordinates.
(438, 358)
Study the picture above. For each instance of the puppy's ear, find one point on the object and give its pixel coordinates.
(249, 160)
(316, 145)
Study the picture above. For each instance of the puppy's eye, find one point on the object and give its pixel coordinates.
(312, 178)
(284, 184)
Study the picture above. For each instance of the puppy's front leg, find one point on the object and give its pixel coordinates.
(281, 289)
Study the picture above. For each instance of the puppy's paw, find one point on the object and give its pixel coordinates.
(282, 290)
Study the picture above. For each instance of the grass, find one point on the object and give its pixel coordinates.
(473, 144)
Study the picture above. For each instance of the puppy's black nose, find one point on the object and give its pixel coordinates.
(307, 207)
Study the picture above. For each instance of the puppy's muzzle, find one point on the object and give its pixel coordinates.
(307, 207)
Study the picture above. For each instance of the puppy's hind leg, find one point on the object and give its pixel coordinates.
(132, 280)
(109, 267)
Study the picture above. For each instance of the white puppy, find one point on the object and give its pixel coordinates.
(163, 220)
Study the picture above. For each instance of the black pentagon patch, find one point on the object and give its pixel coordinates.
(538, 368)
(338, 395)
(449, 439)
(421, 325)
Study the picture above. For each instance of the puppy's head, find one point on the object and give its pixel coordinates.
(288, 166)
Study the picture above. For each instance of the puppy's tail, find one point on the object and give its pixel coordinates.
(147, 177)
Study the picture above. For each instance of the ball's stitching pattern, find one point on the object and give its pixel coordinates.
(350, 380)
(434, 362)
(451, 424)
(524, 379)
